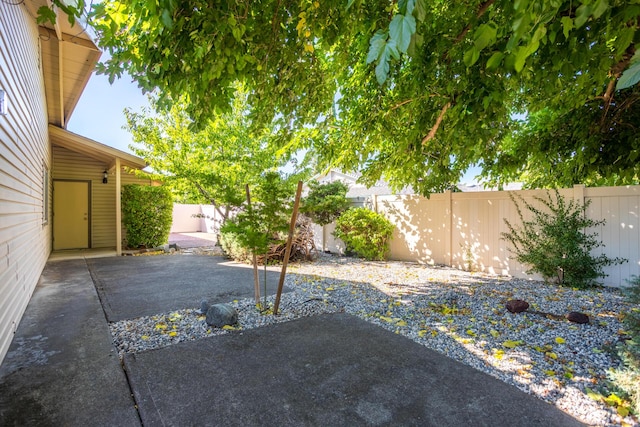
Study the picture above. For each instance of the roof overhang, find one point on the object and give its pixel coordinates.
(79, 144)
(69, 56)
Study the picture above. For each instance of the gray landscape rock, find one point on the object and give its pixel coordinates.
(204, 306)
(220, 315)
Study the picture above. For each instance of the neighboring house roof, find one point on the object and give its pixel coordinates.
(359, 190)
(69, 56)
(80, 144)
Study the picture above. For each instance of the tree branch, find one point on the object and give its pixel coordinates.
(434, 129)
(615, 73)
(481, 11)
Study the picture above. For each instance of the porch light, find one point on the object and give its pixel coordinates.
(105, 177)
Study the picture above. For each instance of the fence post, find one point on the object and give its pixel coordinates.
(578, 195)
(449, 228)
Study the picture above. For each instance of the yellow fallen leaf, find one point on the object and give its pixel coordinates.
(173, 333)
(550, 372)
(551, 355)
(613, 400)
(145, 337)
(511, 344)
(161, 326)
(623, 411)
(401, 323)
(471, 333)
(560, 340)
(386, 319)
(422, 333)
(494, 333)
(330, 289)
(230, 328)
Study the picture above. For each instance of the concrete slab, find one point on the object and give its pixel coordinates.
(137, 286)
(193, 240)
(62, 368)
(330, 370)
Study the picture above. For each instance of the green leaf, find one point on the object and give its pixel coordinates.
(406, 6)
(567, 25)
(520, 4)
(601, 7)
(485, 35)
(471, 56)
(46, 14)
(376, 46)
(401, 29)
(520, 58)
(495, 60)
(582, 15)
(382, 69)
(420, 10)
(631, 75)
(166, 19)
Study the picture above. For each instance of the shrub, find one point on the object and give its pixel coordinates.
(147, 213)
(230, 242)
(627, 377)
(554, 243)
(365, 232)
(325, 202)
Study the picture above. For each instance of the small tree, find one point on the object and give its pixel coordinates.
(262, 225)
(147, 213)
(325, 202)
(555, 244)
(365, 232)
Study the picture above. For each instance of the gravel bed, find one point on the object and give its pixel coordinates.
(457, 313)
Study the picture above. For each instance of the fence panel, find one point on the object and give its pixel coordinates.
(464, 229)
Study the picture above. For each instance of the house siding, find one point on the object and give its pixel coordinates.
(69, 165)
(25, 237)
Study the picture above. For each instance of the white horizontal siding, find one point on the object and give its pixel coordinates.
(24, 155)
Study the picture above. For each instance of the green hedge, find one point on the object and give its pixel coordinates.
(365, 232)
(147, 213)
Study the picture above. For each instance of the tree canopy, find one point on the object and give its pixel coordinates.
(212, 165)
(412, 91)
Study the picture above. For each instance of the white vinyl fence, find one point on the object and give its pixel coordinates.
(194, 218)
(463, 230)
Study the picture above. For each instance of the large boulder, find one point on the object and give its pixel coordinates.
(219, 315)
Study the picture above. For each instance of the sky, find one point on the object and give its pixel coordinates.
(99, 114)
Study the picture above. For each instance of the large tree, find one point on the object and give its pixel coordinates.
(414, 91)
(210, 165)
